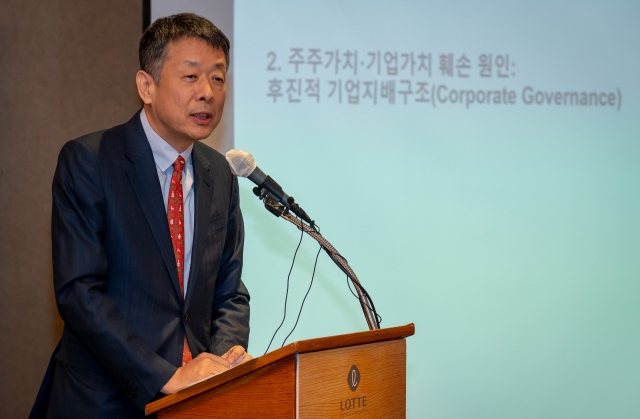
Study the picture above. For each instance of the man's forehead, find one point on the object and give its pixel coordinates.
(186, 44)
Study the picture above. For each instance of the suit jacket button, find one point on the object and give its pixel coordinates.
(186, 316)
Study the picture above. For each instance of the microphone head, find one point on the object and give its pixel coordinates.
(241, 162)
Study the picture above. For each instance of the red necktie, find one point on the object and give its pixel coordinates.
(175, 215)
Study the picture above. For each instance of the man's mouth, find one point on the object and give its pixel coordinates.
(202, 117)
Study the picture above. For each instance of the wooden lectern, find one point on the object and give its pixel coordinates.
(360, 374)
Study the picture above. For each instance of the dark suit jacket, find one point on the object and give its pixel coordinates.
(115, 277)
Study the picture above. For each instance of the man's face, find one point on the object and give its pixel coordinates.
(186, 105)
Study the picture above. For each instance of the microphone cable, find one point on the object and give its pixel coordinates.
(369, 302)
(305, 296)
(286, 296)
(371, 307)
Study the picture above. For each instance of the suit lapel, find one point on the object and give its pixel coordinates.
(144, 180)
(203, 188)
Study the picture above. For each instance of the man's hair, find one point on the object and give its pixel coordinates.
(153, 45)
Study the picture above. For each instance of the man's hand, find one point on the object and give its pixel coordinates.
(202, 366)
(234, 354)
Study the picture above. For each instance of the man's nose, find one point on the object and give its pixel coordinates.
(205, 90)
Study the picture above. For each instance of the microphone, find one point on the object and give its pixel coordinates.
(243, 164)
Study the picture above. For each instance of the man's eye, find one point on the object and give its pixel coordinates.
(191, 76)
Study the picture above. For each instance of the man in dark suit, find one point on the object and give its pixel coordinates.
(147, 240)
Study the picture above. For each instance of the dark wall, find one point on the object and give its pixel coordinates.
(67, 68)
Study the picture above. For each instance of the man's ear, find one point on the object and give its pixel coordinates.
(146, 86)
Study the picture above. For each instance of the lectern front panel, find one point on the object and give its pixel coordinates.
(364, 381)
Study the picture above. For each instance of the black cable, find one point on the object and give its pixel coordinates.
(368, 298)
(286, 296)
(305, 296)
(372, 307)
(349, 286)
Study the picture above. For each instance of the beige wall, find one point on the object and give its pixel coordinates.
(66, 68)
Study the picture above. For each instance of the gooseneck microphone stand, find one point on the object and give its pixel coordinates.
(285, 212)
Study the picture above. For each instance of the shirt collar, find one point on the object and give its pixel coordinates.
(163, 154)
